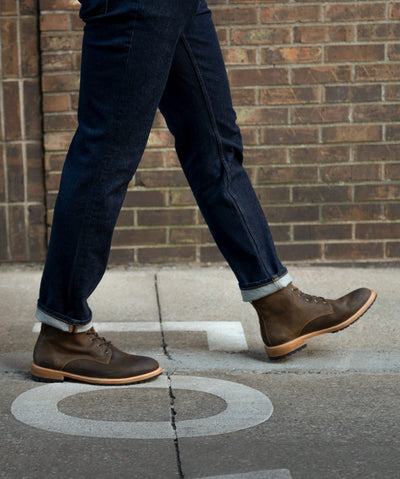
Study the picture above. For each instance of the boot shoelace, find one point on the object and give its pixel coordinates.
(308, 297)
(95, 337)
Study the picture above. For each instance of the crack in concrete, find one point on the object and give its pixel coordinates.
(171, 394)
(164, 344)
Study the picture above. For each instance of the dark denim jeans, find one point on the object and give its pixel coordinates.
(138, 55)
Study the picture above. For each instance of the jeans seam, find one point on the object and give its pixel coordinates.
(219, 144)
(95, 180)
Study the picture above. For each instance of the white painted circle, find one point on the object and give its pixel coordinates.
(246, 407)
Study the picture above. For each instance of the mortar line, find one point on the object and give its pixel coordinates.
(164, 344)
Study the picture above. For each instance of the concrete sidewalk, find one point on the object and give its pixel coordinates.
(221, 408)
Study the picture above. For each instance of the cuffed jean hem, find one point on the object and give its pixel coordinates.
(266, 289)
(42, 317)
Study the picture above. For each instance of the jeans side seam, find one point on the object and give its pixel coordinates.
(89, 205)
(219, 144)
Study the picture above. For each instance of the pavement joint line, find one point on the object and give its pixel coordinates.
(164, 344)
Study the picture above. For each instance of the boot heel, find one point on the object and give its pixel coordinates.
(283, 350)
(45, 375)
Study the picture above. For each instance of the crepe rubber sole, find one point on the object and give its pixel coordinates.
(52, 375)
(291, 347)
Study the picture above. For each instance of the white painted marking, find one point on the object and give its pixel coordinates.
(269, 474)
(221, 335)
(245, 407)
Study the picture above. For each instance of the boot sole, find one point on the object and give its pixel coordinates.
(291, 347)
(52, 375)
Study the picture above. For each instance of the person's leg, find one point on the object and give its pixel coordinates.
(198, 110)
(127, 52)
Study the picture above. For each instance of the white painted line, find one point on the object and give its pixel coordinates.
(245, 407)
(268, 474)
(221, 335)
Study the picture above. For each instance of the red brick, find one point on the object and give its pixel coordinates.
(211, 254)
(370, 231)
(354, 53)
(353, 251)
(260, 36)
(321, 74)
(167, 217)
(2, 177)
(393, 132)
(377, 73)
(122, 256)
(352, 12)
(4, 238)
(181, 197)
(347, 93)
(289, 135)
(383, 152)
(151, 178)
(351, 173)
(299, 252)
(240, 56)
(291, 14)
(262, 116)
(259, 76)
(36, 233)
(167, 254)
(160, 138)
(54, 21)
(29, 47)
(281, 232)
(288, 95)
(8, 7)
(291, 214)
(320, 154)
(324, 33)
(15, 173)
(67, 5)
(351, 212)
(380, 31)
(242, 97)
(265, 156)
(392, 211)
(392, 92)
(28, 7)
(322, 232)
(380, 192)
(270, 194)
(140, 198)
(249, 136)
(32, 109)
(394, 52)
(351, 133)
(60, 122)
(57, 141)
(375, 113)
(320, 114)
(393, 249)
(9, 47)
(35, 181)
(56, 103)
(18, 245)
(56, 42)
(52, 62)
(394, 11)
(12, 116)
(125, 218)
(234, 15)
(190, 235)
(60, 82)
(295, 55)
(287, 174)
(321, 194)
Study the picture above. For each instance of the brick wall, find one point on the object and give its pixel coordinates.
(22, 211)
(316, 90)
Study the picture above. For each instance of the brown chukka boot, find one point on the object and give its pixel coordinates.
(88, 358)
(289, 317)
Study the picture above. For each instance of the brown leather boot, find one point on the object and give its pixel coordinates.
(87, 357)
(289, 317)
